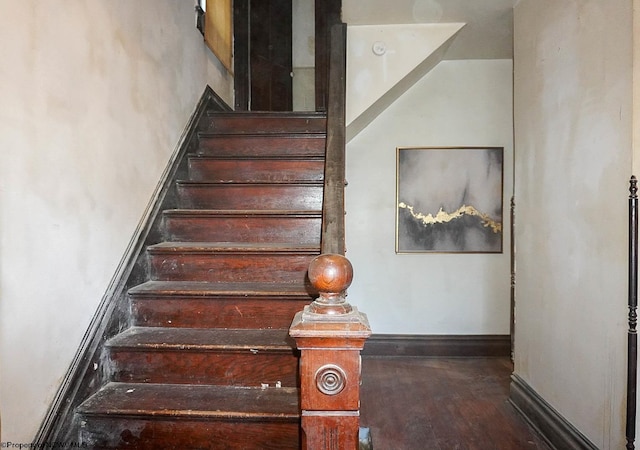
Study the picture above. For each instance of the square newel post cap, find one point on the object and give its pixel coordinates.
(353, 325)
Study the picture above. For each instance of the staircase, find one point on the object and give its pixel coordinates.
(207, 362)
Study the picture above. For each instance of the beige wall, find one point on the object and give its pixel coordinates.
(93, 99)
(572, 91)
(404, 53)
(303, 53)
(459, 103)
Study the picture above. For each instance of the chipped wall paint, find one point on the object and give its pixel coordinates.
(94, 97)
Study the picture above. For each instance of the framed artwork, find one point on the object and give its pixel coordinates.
(449, 199)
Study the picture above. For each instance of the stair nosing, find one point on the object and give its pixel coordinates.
(272, 114)
(283, 157)
(312, 183)
(155, 339)
(285, 134)
(216, 289)
(184, 413)
(233, 247)
(242, 213)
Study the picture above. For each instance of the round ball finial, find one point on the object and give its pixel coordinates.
(331, 275)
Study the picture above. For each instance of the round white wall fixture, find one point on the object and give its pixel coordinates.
(379, 48)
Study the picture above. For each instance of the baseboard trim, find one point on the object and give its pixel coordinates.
(81, 380)
(555, 429)
(485, 345)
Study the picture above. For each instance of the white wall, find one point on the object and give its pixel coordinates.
(573, 159)
(93, 99)
(303, 55)
(460, 103)
(405, 54)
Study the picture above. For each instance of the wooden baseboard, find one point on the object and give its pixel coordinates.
(558, 432)
(438, 345)
(81, 379)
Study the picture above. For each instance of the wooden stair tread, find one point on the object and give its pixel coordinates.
(204, 288)
(240, 212)
(277, 134)
(247, 183)
(226, 247)
(204, 339)
(279, 115)
(194, 401)
(258, 157)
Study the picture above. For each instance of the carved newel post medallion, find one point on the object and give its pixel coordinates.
(330, 334)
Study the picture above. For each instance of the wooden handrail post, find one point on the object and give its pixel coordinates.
(333, 232)
(330, 335)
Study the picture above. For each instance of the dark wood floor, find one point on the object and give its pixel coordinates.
(442, 404)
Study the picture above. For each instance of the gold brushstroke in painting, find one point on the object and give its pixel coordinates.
(445, 217)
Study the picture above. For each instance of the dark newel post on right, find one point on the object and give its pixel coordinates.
(330, 334)
(632, 335)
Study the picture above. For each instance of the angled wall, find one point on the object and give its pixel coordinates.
(384, 61)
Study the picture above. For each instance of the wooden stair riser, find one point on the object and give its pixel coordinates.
(255, 170)
(214, 312)
(286, 197)
(221, 267)
(97, 432)
(240, 228)
(263, 123)
(241, 368)
(262, 146)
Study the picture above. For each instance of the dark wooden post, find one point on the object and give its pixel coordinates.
(632, 334)
(330, 333)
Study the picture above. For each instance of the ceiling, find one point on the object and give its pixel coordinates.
(488, 33)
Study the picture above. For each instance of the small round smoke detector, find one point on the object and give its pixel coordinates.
(379, 48)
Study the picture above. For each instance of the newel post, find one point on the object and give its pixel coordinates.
(330, 334)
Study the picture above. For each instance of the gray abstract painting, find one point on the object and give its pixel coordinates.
(449, 200)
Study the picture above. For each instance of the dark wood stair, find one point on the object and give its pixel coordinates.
(207, 362)
(246, 145)
(272, 195)
(258, 226)
(177, 416)
(193, 304)
(256, 169)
